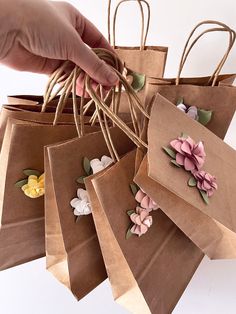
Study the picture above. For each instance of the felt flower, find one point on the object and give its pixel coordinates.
(81, 204)
(34, 188)
(205, 182)
(142, 221)
(189, 154)
(98, 165)
(145, 201)
(191, 111)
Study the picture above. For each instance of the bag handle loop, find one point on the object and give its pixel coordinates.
(187, 48)
(144, 34)
(69, 85)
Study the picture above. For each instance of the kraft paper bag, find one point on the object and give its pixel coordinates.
(220, 99)
(200, 201)
(72, 251)
(148, 60)
(38, 100)
(142, 60)
(32, 113)
(148, 274)
(25, 99)
(214, 94)
(22, 235)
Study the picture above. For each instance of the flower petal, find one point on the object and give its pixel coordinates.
(106, 161)
(24, 187)
(145, 202)
(176, 144)
(143, 229)
(193, 112)
(96, 165)
(188, 164)
(74, 202)
(180, 159)
(82, 194)
(199, 149)
(182, 107)
(139, 196)
(42, 177)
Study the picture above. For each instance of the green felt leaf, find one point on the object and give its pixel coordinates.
(170, 152)
(180, 100)
(128, 234)
(130, 212)
(86, 165)
(31, 172)
(80, 180)
(139, 80)
(204, 196)
(192, 182)
(184, 135)
(204, 116)
(20, 183)
(134, 188)
(174, 162)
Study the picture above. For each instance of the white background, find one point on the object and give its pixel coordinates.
(30, 289)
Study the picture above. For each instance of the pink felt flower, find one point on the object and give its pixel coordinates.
(142, 221)
(205, 182)
(189, 154)
(145, 201)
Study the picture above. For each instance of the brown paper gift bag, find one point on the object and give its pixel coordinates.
(33, 112)
(144, 60)
(25, 99)
(147, 274)
(213, 93)
(149, 60)
(72, 249)
(210, 226)
(22, 235)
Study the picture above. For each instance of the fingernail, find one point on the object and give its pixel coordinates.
(112, 78)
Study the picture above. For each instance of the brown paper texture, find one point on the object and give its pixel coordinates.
(166, 124)
(220, 99)
(151, 266)
(73, 252)
(22, 235)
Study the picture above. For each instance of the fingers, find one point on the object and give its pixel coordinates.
(86, 58)
(97, 69)
(91, 35)
(80, 87)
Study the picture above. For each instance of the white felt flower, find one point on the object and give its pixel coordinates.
(98, 165)
(182, 107)
(81, 204)
(191, 111)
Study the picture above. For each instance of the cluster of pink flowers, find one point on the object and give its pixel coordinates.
(141, 217)
(205, 182)
(192, 156)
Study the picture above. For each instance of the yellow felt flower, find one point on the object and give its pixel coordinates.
(35, 186)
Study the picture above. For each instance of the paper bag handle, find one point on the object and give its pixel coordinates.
(107, 111)
(70, 85)
(187, 48)
(67, 85)
(143, 34)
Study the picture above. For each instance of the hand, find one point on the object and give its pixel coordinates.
(37, 35)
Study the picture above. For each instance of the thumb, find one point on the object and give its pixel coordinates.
(97, 69)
